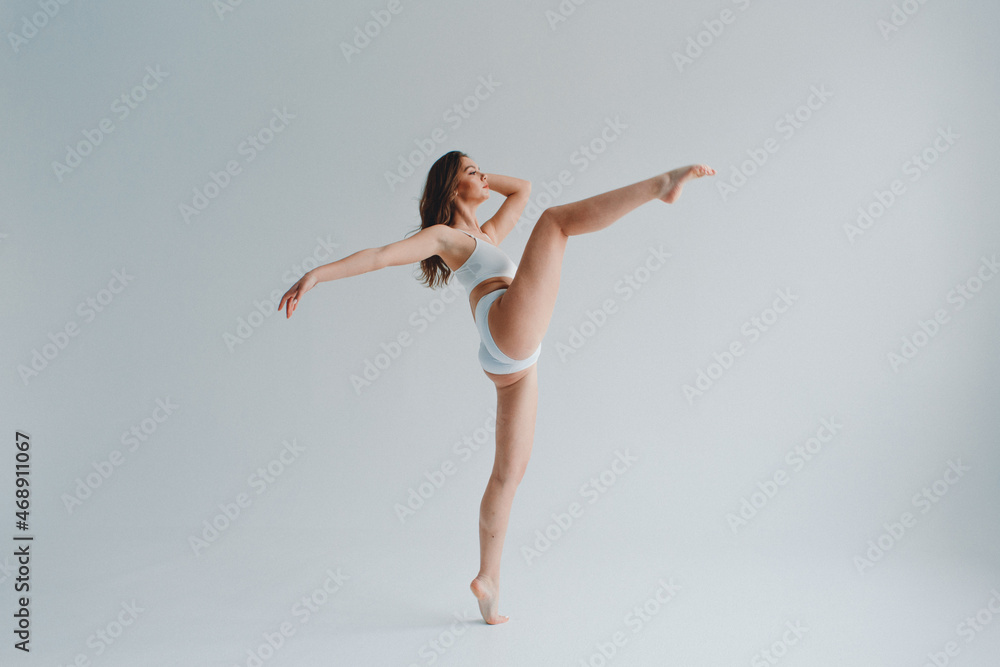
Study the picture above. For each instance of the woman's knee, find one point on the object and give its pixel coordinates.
(509, 474)
(552, 217)
(506, 380)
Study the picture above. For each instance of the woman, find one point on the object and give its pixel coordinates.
(511, 305)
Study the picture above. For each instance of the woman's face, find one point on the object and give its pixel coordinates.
(472, 184)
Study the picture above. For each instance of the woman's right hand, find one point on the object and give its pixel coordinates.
(295, 293)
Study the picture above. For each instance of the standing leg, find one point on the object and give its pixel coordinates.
(519, 319)
(516, 408)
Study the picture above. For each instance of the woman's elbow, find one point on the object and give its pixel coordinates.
(379, 258)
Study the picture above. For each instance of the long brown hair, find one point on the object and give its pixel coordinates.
(436, 208)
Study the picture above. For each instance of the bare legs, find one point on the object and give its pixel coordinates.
(518, 321)
(520, 318)
(515, 432)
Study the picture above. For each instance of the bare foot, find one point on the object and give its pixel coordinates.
(673, 181)
(488, 595)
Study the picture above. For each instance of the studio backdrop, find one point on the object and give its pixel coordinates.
(768, 412)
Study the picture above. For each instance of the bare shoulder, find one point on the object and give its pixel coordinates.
(423, 244)
(435, 234)
(454, 244)
(441, 235)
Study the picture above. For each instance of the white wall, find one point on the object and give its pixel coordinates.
(926, 88)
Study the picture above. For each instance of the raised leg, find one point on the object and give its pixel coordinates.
(516, 408)
(519, 319)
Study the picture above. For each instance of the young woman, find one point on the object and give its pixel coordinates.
(511, 304)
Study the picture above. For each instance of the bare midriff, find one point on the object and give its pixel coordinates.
(484, 288)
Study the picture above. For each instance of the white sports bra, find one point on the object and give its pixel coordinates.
(486, 261)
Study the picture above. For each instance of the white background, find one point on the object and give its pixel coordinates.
(191, 328)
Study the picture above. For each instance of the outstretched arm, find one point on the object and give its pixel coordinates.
(517, 191)
(425, 243)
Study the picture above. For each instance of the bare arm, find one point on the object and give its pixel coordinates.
(517, 191)
(425, 243)
(360, 262)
